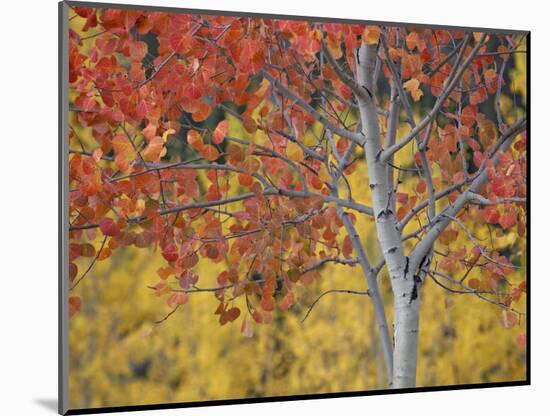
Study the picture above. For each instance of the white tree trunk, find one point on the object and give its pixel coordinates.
(406, 306)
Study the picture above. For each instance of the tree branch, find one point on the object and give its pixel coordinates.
(267, 192)
(469, 290)
(352, 292)
(342, 74)
(410, 116)
(91, 264)
(355, 137)
(454, 208)
(438, 104)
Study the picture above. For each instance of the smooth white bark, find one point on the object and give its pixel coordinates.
(406, 308)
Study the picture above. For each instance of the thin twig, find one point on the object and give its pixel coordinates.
(91, 264)
(352, 292)
(168, 315)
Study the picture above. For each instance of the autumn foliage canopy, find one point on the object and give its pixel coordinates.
(163, 93)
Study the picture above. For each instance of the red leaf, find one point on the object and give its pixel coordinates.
(421, 187)
(516, 294)
(188, 279)
(177, 299)
(170, 252)
(508, 319)
(499, 187)
(508, 220)
(233, 314)
(473, 283)
(268, 303)
(249, 123)
(193, 92)
(74, 251)
(401, 197)
(141, 109)
(347, 247)
(75, 304)
(230, 315)
(73, 271)
(143, 239)
(212, 251)
(490, 214)
(468, 116)
(522, 340)
(288, 301)
(179, 41)
(88, 166)
(138, 50)
(108, 227)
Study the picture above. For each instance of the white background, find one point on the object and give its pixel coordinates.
(28, 204)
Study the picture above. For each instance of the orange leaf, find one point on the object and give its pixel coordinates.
(371, 34)
(164, 272)
(220, 132)
(237, 154)
(154, 150)
(177, 299)
(412, 40)
(194, 139)
(473, 283)
(209, 152)
(412, 86)
(468, 116)
(347, 247)
(161, 288)
(249, 124)
(124, 152)
(245, 179)
(75, 304)
(202, 112)
(268, 303)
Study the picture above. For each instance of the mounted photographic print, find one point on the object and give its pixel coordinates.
(261, 208)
